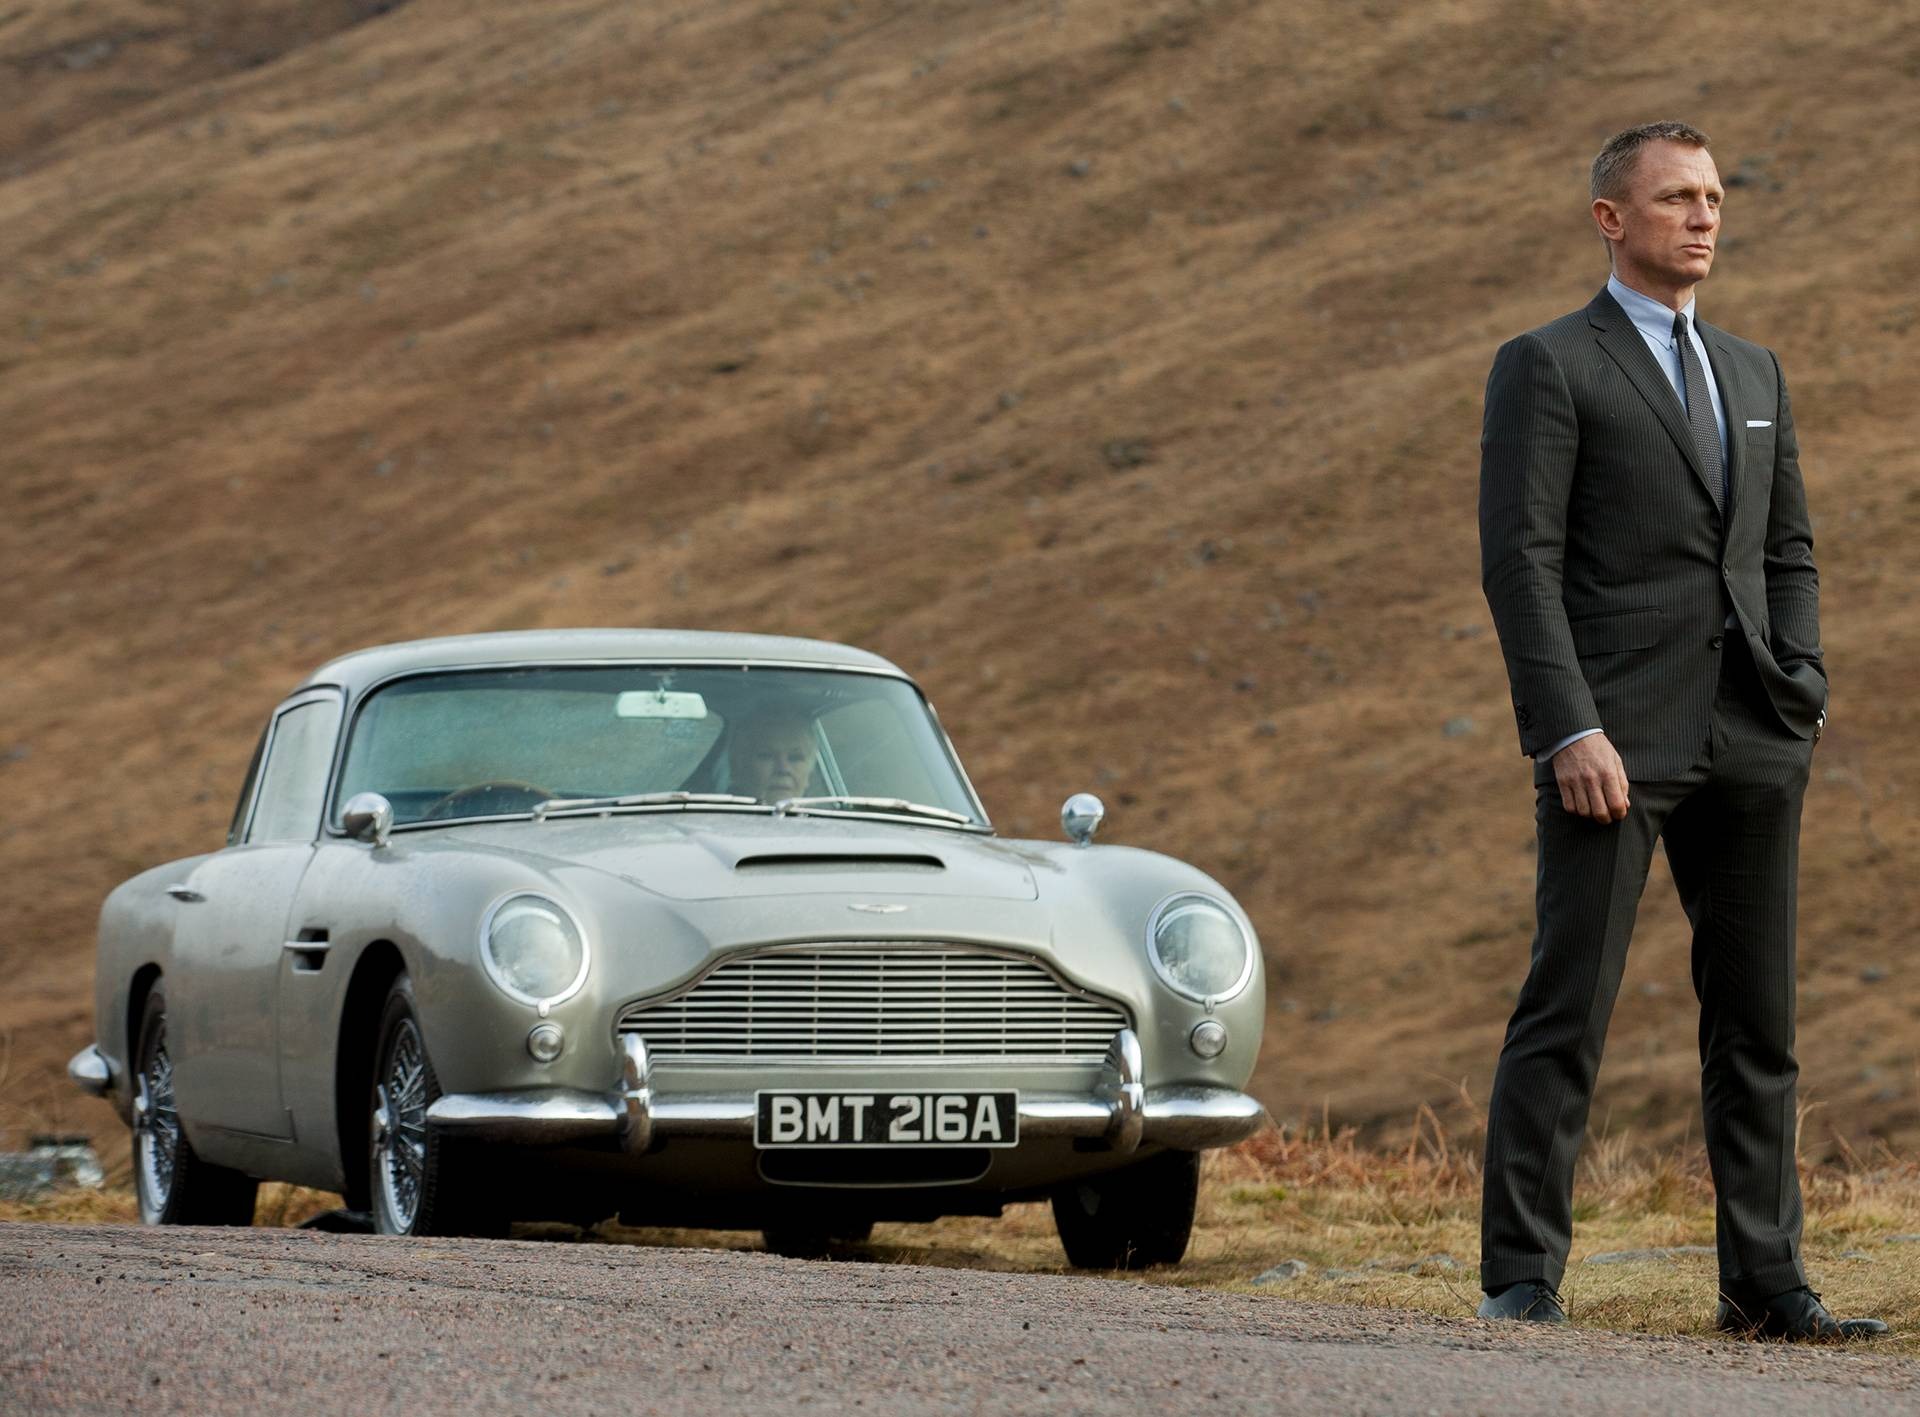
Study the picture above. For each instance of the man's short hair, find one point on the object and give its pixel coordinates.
(1613, 165)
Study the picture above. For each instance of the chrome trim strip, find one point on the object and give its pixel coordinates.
(1122, 1091)
(636, 1096)
(90, 1071)
(546, 1116)
(766, 1061)
(722, 1118)
(1195, 1118)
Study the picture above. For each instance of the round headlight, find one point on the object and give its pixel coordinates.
(1199, 948)
(534, 949)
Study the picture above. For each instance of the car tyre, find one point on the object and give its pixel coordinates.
(173, 1185)
(1130, 1219)
(419, 1179)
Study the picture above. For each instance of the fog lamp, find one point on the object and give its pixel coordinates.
(1209, 1038)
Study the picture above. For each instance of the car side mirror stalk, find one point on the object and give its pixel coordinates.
(1080, 818)
(368, 817)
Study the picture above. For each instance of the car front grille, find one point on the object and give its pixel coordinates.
(877, 1001)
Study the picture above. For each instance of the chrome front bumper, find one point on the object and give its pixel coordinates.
(1121, 1112)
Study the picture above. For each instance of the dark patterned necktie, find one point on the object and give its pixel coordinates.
(1706, 433)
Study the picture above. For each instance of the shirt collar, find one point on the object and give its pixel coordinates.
(1649, 316)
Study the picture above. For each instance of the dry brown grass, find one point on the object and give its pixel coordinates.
(1378, 1228)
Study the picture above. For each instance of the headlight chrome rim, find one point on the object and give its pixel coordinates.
(1248, 941)
(546, 1002)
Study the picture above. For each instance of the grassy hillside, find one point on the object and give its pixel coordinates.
(1115, 367)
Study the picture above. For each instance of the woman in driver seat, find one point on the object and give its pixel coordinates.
(771, 756)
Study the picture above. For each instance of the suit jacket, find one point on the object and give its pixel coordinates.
(1608, 568)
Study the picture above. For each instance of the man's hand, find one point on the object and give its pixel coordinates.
(1593, 780)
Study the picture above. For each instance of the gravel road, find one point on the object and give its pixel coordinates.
(99, 1319)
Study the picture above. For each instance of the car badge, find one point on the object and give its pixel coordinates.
(870, 909)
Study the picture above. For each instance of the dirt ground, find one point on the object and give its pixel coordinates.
(1114, 367)
(1329, 1221)
(189, 1319)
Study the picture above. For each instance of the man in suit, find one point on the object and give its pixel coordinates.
(1647, 555)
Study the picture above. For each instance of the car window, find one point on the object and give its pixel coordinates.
(879, 752)
(293, 780)
(540, 733)
(239, 822)
(480, 743)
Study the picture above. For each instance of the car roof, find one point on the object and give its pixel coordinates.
(361, 669)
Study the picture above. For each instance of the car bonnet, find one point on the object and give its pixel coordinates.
(722, 855)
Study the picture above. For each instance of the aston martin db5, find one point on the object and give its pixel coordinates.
(695, 929)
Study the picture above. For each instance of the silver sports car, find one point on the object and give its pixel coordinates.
(699, 929)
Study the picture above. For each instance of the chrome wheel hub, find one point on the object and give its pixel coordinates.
(399, 1125)
(156, 1127)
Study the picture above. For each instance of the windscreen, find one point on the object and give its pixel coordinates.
(476, 743)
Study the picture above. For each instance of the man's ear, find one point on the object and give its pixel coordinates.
(1607, 217)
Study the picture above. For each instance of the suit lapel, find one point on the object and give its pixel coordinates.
(1622, 342)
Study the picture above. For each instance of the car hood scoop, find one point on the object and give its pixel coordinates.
(713, 856)
(807, 862)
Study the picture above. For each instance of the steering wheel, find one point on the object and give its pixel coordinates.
(456, 801)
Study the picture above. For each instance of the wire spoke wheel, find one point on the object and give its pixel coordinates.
(156, 1124)
(420, 1182)
(400, 1124)
(174, 1184)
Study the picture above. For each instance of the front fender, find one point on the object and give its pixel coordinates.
(134, 943)
(1102, 898)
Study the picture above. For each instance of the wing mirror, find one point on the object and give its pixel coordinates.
(1080, 818)
(368, 817)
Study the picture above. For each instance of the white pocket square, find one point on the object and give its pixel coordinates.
(1759, 423)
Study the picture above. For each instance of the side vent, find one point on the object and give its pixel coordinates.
(308, 950)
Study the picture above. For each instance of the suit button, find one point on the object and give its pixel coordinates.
(1726, 570)
(1717, 641)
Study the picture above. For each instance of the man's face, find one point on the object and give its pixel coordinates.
(772, 760)
(1664, 230)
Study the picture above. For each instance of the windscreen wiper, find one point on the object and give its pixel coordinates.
(642, 799)
(788, 806)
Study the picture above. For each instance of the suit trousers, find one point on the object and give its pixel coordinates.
(1731, 827)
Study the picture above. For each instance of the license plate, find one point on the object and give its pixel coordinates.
(883, 1119)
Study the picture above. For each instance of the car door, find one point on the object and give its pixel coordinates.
(231, 932)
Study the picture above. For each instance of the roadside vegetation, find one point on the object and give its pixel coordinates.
(1315, 1214)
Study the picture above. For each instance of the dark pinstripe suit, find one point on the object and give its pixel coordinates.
(1612, 576)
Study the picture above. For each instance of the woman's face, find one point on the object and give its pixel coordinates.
(773, 759)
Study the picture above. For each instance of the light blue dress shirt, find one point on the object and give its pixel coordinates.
(1654, 321)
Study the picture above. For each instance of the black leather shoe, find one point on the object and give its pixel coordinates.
(1797, 1316)
(1530, 1301)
